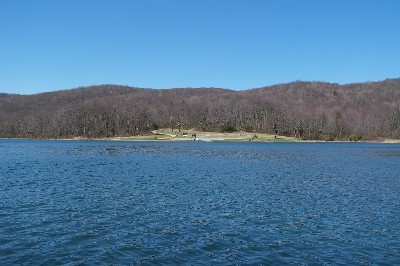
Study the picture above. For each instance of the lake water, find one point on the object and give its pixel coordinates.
(90, 202)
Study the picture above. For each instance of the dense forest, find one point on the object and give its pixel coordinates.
(307, 110)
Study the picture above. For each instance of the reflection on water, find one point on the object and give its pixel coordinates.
(199, 203)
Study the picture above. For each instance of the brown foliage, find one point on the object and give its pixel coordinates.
(308, 110)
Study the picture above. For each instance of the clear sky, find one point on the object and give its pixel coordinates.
(48, 45)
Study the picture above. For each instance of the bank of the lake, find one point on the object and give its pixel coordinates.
(190, 135)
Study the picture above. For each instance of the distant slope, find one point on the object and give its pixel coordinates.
(311, 110)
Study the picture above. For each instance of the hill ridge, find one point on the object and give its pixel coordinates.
(302, 109)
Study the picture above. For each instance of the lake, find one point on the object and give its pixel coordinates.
(91, 202)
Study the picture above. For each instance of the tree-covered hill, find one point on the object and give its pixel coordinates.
(309, 110)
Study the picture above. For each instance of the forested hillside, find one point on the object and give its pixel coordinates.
(308, 110)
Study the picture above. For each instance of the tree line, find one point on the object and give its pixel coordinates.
(307, 110)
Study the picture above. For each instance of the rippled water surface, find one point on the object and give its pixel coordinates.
(74, 202)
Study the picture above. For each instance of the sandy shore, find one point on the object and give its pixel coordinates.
(168, 135)
(186, 135)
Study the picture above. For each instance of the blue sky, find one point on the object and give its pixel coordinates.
(49, 45)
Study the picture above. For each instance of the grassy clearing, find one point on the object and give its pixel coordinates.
(167, 134)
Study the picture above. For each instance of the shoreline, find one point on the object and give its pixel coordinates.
(130, 139)
(167, 135)
(240, 136)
